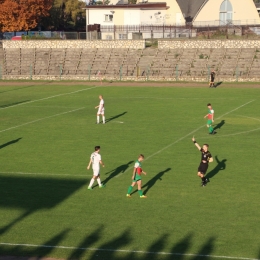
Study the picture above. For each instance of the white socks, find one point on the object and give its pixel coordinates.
(98, 119)
(99, 181)
(91, 183)
(104, 120)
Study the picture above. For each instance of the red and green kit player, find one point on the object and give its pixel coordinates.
(210, 117)
(136, 178)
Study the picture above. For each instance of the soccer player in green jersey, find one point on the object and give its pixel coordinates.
(210, 117)
(136, 178)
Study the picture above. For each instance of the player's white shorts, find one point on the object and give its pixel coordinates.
(101, 111)
(96, 172)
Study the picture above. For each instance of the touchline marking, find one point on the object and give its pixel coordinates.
(126, 251)
(59, 95)
(47, 174)
(180, 139)
(41, 119)
(167, 98)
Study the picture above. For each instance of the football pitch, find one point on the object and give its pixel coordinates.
(48, 132)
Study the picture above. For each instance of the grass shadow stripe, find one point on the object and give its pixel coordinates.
(126, 251)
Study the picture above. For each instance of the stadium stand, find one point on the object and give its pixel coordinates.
(153, 63)
(42, 60)
(85, 62)
(71, 62)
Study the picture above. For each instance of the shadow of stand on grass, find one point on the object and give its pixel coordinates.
(33, 193)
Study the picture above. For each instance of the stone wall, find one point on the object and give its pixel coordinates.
(28, 44)
(213, 44)
(126, 78)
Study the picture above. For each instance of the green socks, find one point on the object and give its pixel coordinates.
(211, 129)
(140, 192)
(129, 190)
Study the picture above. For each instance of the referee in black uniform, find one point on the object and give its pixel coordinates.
(205, 159)
(212, 78)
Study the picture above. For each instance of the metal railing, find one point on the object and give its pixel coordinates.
(145, 31)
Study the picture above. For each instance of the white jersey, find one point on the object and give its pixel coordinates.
(101, 104)
(95, 159)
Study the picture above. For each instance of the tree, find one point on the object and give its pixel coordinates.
(66, 15)
(18, 15)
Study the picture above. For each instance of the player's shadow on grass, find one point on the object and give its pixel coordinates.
(32, 193)
(115, 117)
(218, 84)
(10, 142)
(148, 185)
(13, 104)
(219, 125)
(221, 166)
(120, 169)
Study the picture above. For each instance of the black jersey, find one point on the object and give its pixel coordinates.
(205, 156)
(212, 75)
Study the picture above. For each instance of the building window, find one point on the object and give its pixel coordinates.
(225, 12)
(108, 18)
(122, 36)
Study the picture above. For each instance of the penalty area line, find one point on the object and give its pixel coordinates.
(34, 121)
(125, 251)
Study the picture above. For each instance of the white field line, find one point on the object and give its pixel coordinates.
(126, 251)
(59, 95)
(192, 132)
(240, 133)
(171, 98)
(46, 174)
(34, 121)
(250, 117)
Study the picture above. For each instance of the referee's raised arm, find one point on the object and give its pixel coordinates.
(196, 144)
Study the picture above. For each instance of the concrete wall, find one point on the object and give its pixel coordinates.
(167, 44)
(132, 44)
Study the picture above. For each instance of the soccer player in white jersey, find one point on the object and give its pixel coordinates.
(95, 160)
(101, 109)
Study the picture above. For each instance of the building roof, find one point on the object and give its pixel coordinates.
(160, 5)
(190, 8)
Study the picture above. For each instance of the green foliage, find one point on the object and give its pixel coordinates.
(106, 2)
(66, 15)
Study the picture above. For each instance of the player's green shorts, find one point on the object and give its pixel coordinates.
(137, 178)
(209, 122)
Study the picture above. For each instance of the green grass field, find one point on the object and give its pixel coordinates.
(48, 132)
